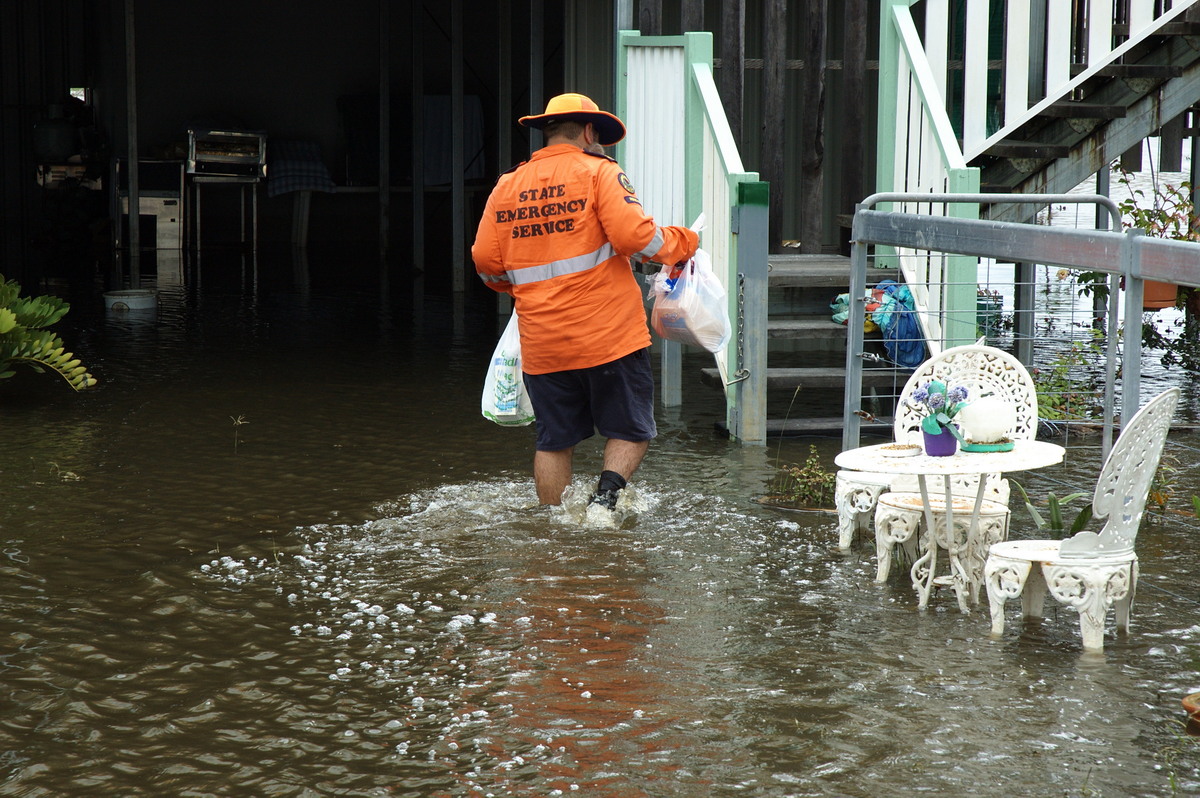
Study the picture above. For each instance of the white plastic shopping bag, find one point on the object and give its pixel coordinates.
(691, 307)
(504, 398)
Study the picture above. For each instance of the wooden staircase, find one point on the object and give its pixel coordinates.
(806, 375)
(1074, 137)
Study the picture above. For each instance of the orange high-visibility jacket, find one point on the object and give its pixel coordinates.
(557, 233)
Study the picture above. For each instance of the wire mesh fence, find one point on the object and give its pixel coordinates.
(1058, 320)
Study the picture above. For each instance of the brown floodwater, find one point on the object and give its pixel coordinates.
(279, 552)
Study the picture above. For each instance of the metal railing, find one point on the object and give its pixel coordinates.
(681, 155)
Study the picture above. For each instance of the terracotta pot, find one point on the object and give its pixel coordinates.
(1156, 295)
(1192, 704)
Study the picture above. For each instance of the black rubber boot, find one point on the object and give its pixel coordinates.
(611, 483)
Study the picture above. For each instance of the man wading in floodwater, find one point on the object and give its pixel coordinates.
(557, 233)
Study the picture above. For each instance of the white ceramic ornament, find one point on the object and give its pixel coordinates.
(987, 419)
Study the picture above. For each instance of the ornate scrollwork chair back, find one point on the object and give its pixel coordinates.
(1090, 572)
(979, 368)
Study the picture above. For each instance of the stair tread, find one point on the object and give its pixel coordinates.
(1013, 148)
(815, 377)
(1068, 109)
(819, 327)
(816, 271)
(1176, 28)
(1164, 71)
(782, 427)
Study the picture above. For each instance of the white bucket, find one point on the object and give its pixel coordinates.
(131, 299)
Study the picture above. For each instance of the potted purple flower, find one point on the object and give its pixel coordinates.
(938, 405)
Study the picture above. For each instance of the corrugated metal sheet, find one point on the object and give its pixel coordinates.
(654, 118)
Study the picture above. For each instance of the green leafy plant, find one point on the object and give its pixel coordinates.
(24, 339)
(807, 485)
(1168, 213)
(1053, 523)
(1162, 487)
(1067, 387)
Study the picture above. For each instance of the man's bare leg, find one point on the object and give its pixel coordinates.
(624, 457)
(552, 474)
(621, 459)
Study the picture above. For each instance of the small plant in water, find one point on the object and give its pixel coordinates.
(807, 485)
(1052, 523)
(1162, 487)
(237, 422)
(1067, 387)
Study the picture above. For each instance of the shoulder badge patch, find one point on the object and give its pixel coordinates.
(623, 179)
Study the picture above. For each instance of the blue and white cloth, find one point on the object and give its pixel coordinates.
(897, 318)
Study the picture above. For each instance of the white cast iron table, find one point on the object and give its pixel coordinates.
(1025, 456)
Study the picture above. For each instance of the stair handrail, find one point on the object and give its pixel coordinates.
(683, 157)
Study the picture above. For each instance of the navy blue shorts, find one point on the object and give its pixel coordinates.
(615, 399)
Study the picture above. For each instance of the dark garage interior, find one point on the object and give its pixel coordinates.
(289, 98)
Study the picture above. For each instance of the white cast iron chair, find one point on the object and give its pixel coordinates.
(1090, 572)
(982, 370)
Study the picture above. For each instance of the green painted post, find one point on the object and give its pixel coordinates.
(625, 39)
(961, 288)
(698, 49)
(888, 125)
(746, 402)
(886, 129)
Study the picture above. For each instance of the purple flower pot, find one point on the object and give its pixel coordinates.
(941, 445)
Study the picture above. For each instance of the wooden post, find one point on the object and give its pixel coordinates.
(854, 103)
(1194, 169)
(773, 101)
(691, 15)
(812, 137)
(537, 54)
(731, 76)
(650, 17)
(458, 194)
(504, 120)
(417, 111)
(131, 132)
(385, 126)
(1170, 145)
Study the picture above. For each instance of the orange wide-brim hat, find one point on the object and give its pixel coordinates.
(578, 108)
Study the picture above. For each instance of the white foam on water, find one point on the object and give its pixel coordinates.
(393, 606)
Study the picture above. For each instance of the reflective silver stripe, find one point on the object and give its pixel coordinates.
(655, 245)
(548, 271)
(495, 278)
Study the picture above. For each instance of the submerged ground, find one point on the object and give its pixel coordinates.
(279, 552)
